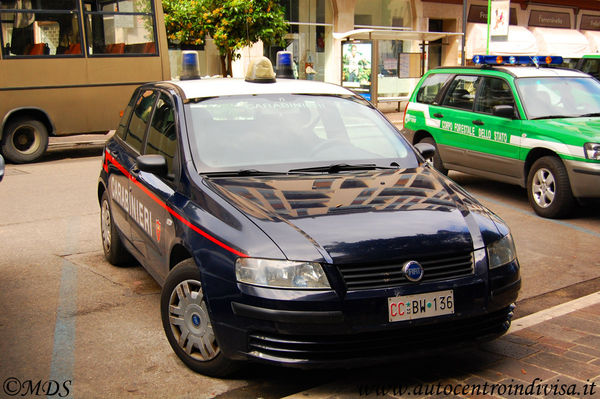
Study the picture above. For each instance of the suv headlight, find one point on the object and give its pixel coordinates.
(592, 151)
(501, 252)
(280, 273)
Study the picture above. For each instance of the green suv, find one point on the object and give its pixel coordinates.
(535, 127)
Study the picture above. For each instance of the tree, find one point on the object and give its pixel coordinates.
(233, 24)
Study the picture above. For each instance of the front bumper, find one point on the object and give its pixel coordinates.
(584, 178)
(326, 329)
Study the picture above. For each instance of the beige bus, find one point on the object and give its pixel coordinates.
(69, 66)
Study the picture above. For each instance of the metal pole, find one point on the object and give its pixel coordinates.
(487, 48)
(464, 30)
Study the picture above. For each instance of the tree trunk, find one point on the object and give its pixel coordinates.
(223, 65)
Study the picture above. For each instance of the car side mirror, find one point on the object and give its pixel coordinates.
(426, 150)
(1, 168)
(152, 163)
(504, 111)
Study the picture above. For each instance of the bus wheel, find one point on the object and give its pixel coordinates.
(25, 140)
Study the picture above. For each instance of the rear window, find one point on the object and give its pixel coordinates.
(431, 87)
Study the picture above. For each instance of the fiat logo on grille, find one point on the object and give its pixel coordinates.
(413, 271)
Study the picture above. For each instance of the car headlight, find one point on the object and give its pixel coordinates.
(592, 151)
(501, 252)
(280, 273)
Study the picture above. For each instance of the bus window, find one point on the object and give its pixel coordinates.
(120, 27)
(49, 29)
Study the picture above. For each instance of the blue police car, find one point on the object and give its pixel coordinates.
(289, 222)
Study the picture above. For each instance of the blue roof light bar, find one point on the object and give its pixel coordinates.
(517, 60)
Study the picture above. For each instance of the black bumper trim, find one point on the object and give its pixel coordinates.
(287, 316)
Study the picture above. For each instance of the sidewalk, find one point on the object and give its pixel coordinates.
(554, 353)
(79, 141)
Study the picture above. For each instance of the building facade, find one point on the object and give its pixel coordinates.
(378, 46)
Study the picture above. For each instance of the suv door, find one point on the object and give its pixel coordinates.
(458, 126)
(492, 150)
(153, 239)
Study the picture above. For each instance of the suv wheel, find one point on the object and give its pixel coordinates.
(437, 160)
(187, 322)
(548, 188)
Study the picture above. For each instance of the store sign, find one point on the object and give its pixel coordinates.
(549, 19)
(356, 66)
(478, 14)
(499, 18)
(590, 22)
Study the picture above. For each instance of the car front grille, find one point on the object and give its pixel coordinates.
(365, 276)
(401, 341)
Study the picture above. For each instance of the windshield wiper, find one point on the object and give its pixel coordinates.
(339, 167)
(590, 114)
(242, 172)
(553, 117)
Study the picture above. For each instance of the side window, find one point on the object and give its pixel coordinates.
(461, 93)
(40, 28)
(431, 87)
(493, 92)
(162, 136)
(139, 120)
(125, 118)
(120, 27)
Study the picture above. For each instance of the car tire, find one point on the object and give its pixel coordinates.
(187, 324)
(25, 140)
(548, 188)
(437, 160)
(114, 250)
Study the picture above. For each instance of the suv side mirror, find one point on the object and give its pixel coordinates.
(426, 150)
(504, 111)
(152, 163)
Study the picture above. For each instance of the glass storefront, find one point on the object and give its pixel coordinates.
(397, 67)
(311, 26)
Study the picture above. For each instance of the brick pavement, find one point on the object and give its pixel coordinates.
(554, 353)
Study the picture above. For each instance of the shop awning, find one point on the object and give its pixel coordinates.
(593, 38)
(567, 43)
(520, 41)
(377, 34)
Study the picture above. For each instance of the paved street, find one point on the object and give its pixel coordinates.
(72, 321)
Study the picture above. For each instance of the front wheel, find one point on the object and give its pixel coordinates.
(548, 188)
(25, 140)
(187, 322)
(437, 160)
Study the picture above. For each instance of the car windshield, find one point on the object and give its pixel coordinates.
(282, 132)
(564, 97)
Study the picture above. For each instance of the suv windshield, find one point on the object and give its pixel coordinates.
(562, 97)
(280, 132)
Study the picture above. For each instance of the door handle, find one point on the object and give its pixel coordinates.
(478, 122)
(438, 115)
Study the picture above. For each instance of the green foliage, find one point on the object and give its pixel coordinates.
(182, 21)
(233, 24)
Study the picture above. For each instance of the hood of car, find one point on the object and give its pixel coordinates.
(588, 129)
(361, 216)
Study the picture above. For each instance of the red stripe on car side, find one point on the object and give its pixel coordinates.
(204, 234)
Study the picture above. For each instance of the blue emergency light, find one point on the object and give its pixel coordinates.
(536, 60)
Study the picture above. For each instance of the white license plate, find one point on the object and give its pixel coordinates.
(419, 306)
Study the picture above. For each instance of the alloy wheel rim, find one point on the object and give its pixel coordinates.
(105, 226)
(190, 323)
(543, 188)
